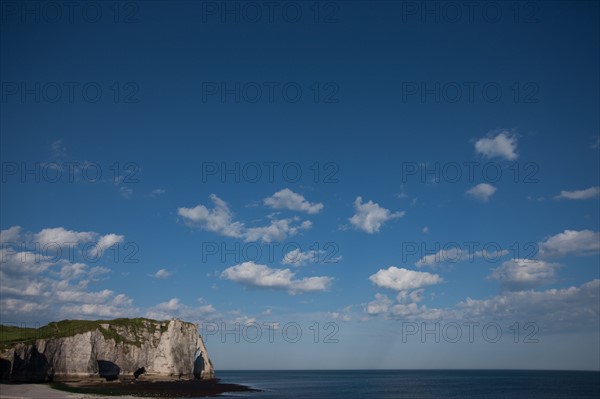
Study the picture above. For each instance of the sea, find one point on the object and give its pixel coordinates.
(413, 384)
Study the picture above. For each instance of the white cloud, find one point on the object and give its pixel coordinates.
(126, 192)
(172, 304)
(173, 308)
(481, 192)
(503, 145)
(287, 199)
(161, 274)
(407, 309)
(109, 240)
(296, 257)
(554, 309)
(425, 230)
(407, 296)
(588, 193)
(10, 235)
(104, 243)
(158, 191)
(217, 220)
(584, 242)
(400, 279)
(95, 310)
(452, 254)
(62, 236)
(564, 309)
(343, 314)
(380, 305)
(518, 274)
(82, 296)
(278, 230)
(20, 306)
(31, 282)
(369, 217)
(220, 220)
(261, 276)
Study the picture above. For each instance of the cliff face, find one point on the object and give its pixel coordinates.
(171, 349)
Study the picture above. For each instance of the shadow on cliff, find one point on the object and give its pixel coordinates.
(5, 366)
(198, 366)
(34, 367)
(108, 370)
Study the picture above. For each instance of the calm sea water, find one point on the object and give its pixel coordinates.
(411, 384)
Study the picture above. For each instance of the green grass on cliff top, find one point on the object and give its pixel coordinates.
(11, 335)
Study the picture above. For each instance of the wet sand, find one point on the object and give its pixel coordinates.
(39, 391)
(131, 389)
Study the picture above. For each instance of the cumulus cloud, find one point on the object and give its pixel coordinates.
(261, 276)
(31, 281)
(380, 305)
(219, 220)
(277, 230)
(481, 192)
(400, 279)
(503, 145)
(60, 286)
(109, 240)
(287, 199)
(161, 274)
(588, 193)
(583, 242)
(369, 217)
(62, 236)
(10, 235)
(518, 274)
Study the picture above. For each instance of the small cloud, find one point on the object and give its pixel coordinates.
(538, 199)
(59, 149)
(400, 279)
(588, 193)
(220, 220)
(580, 243)
(126, 192)
(596, 143)
(161, 274)
(425, 230)
(380, 305)
(287, 199)
(370, 217)
(481, 192)
(156, 192)
(503, 145)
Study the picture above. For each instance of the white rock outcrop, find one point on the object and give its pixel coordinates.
(170, 349)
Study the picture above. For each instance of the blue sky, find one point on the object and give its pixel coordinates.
(370, 167)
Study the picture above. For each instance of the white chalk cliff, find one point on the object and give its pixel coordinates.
(169, 349)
